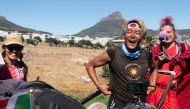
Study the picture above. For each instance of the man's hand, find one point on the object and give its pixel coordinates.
(104, 89)
(150, 89)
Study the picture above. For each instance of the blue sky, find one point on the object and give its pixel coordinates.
(67, 17)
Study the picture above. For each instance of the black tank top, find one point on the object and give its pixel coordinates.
(123, 69)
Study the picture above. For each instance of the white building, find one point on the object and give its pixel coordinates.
(104, 40)
(86, 38)
(30, 35)
(44, 36)
(94, 41)
(77, 39)
(3, 33)
(26, 36)
(64, 39)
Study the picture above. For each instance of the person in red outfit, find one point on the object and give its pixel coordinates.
(174, 56)
(14, 67)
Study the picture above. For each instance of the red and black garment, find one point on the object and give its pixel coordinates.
(184, 78)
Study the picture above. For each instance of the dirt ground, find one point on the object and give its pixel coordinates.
(61, 67)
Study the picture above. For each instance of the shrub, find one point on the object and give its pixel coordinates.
(105, 69)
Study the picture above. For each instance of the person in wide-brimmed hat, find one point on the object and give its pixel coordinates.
(127, 62)
(14, 67)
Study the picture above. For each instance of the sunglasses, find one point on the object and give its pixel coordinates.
(14, 47)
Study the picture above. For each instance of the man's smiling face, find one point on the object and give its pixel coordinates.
(133, 37)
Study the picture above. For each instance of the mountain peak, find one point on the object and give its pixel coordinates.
(2, 18)
(114, 16)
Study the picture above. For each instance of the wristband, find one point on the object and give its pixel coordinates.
(97, 85)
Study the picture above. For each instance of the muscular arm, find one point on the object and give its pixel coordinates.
(153, 75)
(90, 67)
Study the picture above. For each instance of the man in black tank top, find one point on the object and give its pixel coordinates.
(128, 62)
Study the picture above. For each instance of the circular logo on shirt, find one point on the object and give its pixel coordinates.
(133, 71)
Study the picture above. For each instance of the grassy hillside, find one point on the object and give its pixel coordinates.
(10, 26)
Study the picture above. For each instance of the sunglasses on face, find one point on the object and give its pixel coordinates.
(14, 47)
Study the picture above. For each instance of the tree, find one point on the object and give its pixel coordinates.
(38, 39)
(105, 73)
(88, 43)
(64, 43)
(24, 31)
(81, 43)
(2, 29)
(22, 39)
(105, 69)
(51, 41)
(149, 42)
(1, 38)
(97, 45)
(29, 41)
(84, 43)
(110, 44)
(71, 43)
